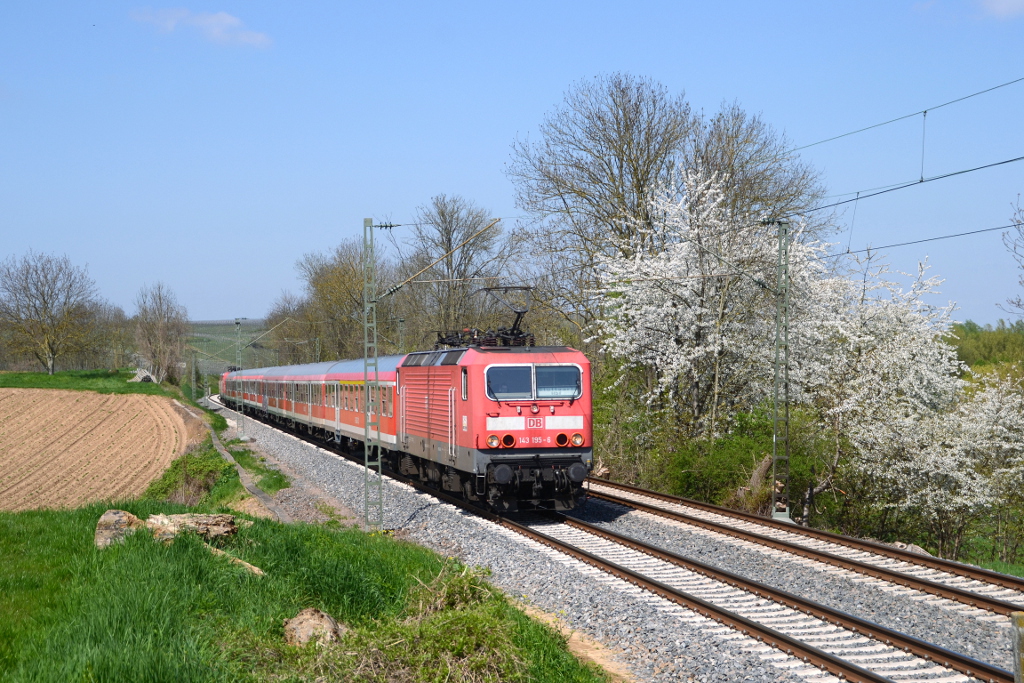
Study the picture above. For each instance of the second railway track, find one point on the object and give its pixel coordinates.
(997, 593)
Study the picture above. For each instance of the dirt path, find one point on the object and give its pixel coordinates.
(68, 448)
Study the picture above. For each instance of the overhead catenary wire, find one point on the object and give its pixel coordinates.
(908, 116)
(411, 278)
(816, 258)
(915, 183)
(885, 189)
(920, 241)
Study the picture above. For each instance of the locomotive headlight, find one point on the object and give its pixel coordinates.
(534, 409)
(577, 439)
(492, 441)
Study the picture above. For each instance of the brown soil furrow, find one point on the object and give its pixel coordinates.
(17, 431)
(46, 427)
(85, 466)
(155, 433)
(25, 453)
(156, 441)
(65, 448)
(64, 461)
(76, 469)
(174, 426)
(111, 460)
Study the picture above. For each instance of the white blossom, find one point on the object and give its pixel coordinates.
(868, 356)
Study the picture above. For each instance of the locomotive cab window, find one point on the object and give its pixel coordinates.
(529, 382)
(558, 381)
(510, 382)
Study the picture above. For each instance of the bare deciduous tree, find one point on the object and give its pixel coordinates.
(610, 148)
(588, 182)
(601, 156)
(161, 328)
(325, 323)
(46, 306)
(115, 339)
(446, 301)
(758, 174)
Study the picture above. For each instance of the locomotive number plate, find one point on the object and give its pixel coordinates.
(535, 423)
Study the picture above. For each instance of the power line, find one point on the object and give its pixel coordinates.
(908, 116)
(921, 241)
(817, 258)
(918, 182)
(867, 194)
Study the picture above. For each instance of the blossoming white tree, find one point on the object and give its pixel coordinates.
(694, 312)
(868, 357)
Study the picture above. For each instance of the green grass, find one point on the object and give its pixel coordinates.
(151, 612)
(1004, 567)
(269, 480)
(200, 476)
(100, 381)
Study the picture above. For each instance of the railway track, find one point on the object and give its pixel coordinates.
(784, 629)
(844, 645)
(996, 593)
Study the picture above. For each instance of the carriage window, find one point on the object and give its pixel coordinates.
(510, 383)
(465, 384)
(558, 381)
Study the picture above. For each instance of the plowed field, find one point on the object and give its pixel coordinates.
(67, 448)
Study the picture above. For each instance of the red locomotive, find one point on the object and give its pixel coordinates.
(509, 425)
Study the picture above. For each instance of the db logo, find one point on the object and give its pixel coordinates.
(535, 423)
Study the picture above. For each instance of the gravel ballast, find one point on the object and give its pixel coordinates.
(656, 639)
(943, 622)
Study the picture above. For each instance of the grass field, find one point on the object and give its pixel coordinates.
(100, 381)
(149, 612)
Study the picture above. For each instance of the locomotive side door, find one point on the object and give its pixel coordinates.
(452, 450)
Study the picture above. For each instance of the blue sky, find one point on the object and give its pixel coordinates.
(214, 143)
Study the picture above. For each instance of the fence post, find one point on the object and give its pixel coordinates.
(1017, 634)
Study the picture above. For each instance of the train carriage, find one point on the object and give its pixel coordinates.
(507, 425)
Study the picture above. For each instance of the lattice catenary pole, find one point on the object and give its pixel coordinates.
(238, 367)
(780, 398)
(373, 483)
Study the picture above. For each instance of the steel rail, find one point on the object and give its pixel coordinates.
(892, 576)
(907, 643)
(791, 646)
(976, 573)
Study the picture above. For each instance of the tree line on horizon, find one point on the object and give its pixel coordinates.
(52, 317)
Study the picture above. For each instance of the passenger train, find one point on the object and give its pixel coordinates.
(509, 426)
